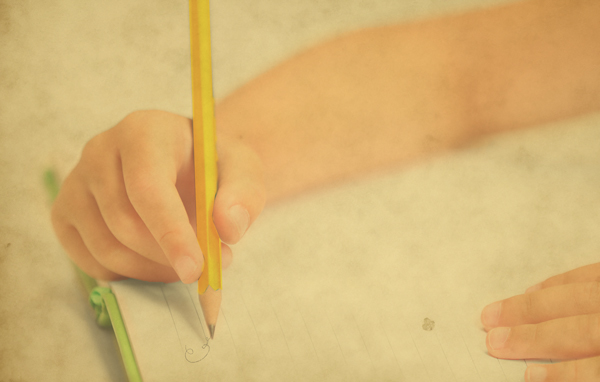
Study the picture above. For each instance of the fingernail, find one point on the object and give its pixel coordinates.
(240, 217)
(185, 267)
(536, 374)
(491, 314)
(498, 337)
(534, 288)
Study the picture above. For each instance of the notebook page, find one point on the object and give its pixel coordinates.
(263, 336)
(309, 328)
(377, 280)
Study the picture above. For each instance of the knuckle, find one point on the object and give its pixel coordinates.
(136, 122)
(68, 199)
(94, 158)
(91, 148)
(139, 188)
(132, 130)
(530, 306)
(94, 149)
(134, 117)
(136, 114)
(556, 280)
(532, 338)
(120, 222)
(170, 241)
(129, 123)
(167, 238)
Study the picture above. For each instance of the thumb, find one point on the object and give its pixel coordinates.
(241, 191)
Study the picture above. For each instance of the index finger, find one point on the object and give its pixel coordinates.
(587, 273)
(544, 305)
(150, 168)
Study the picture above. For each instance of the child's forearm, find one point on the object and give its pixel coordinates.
(388, 95)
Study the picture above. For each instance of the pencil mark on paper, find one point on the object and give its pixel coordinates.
(190, 354)
(428, 324)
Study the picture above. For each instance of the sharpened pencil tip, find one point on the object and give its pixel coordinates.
(211, 330)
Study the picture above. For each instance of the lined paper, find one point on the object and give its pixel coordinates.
(269, 329)
(263, 336)
(345, 284)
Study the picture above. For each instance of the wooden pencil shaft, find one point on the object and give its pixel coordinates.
(205, 156)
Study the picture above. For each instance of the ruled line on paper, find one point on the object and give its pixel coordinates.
(173, 319)
(313, 344)
(445, 356)
(254, 326)
(390, 345)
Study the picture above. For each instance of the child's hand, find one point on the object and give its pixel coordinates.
(128, 208)
(557, 319)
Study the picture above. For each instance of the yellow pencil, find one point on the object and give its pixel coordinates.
(205, 161)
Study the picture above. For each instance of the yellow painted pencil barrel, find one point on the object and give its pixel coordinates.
(205, 153)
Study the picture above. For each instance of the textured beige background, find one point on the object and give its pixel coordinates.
(70, 69)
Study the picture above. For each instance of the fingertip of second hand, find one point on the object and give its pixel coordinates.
(534, 288)
(490, 315)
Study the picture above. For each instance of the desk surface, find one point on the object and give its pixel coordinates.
(72, 69)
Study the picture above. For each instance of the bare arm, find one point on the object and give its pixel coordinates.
(385, 96)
